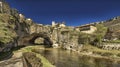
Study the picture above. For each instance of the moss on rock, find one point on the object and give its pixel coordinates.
(7, 33)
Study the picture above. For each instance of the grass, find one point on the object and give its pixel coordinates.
(91, 48)
(32, 59)
(45, 62)
(113, 41)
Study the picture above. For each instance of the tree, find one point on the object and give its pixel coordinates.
(100, 33)
(84, 38)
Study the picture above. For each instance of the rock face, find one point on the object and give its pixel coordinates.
(31, 60)
(15, 61)
(12, 63)
(110, 46)
(4, 7)
(66, 38)
(16, 27)
(39, 41)
(13, 26)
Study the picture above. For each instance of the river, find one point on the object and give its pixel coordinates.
(64, 58)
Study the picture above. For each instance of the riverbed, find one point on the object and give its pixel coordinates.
(65, 58)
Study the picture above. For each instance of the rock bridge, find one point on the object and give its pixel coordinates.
(29, 39)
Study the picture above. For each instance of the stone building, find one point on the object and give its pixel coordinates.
(89, 29)
(57, 24)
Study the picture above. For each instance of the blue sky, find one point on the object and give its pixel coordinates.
(73, 12)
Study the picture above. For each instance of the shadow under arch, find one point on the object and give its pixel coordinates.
(29, 39)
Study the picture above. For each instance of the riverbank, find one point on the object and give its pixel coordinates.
(68, 58)
(92, 51)
(87, 51)
(18, 53)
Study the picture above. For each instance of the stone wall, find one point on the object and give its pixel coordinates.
(110, 46)
(66, 38)
(31, 60)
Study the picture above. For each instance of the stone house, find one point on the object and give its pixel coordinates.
(89, 29)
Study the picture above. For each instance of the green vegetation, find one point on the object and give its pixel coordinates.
(118, 54)
(32, 60)
(7, 33)
(113, 41)
(95, 38)
(107, 54)
(100, 33)
(6, 7)
(45, 62)
(98, 51)
(84, 38)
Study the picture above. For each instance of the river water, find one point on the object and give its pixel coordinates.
(64, 58)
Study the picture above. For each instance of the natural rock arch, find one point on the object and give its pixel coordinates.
(29, 39)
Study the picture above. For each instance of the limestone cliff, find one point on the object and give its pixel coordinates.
(17, 30)
(14, 26)
(11, 29)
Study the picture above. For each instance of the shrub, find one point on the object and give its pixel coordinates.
(118, 54)
(107, 54)
(96, 52)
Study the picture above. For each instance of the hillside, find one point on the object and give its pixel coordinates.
(113, 28)
(11, 27)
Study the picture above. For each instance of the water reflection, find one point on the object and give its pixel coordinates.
(63, 58)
